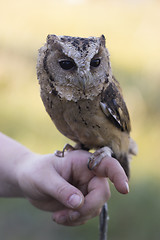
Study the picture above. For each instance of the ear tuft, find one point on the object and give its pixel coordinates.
(103, 40)
(51, 38)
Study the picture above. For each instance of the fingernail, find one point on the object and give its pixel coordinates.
(61, 219)
(75, 201)
(127, 187)
(74, 216)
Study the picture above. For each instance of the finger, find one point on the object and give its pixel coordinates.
(98, 194)
(112, 169)
(73, 218)
(62, 191)
(68, 218)
(79, 160)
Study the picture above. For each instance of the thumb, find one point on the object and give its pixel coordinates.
(64, 192)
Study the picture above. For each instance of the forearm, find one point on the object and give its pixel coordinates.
(11, 153)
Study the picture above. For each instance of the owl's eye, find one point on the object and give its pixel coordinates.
(95, 62)
(66, 64)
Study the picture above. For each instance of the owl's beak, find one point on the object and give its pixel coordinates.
(82, 85)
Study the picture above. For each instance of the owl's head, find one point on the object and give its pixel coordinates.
(76, 67)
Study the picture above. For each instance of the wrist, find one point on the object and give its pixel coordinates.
(12, 157)
(24, 174)
(12, 186)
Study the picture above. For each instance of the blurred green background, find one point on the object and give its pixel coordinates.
(132, 30)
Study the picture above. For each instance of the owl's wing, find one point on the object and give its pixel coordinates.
(114, 107)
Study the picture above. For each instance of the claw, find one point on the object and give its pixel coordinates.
(67, 147)
(96, 157)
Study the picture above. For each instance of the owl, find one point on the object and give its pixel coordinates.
(83, 98)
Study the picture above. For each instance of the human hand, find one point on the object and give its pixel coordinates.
(66, 187)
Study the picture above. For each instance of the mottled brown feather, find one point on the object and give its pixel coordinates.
(116, 109)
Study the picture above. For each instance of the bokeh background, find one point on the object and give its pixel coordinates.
(132, 30)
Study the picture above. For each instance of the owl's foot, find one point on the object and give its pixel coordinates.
(67, 147)
(96, 157)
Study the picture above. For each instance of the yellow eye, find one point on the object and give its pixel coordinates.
(95, 62)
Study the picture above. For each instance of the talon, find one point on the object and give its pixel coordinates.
(67, 147)
(59, 153)
(91, 163)
(96, 157)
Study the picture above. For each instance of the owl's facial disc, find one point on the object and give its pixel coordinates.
(75, 68)
(68, 64)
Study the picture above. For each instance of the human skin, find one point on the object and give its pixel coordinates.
(64, 186)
